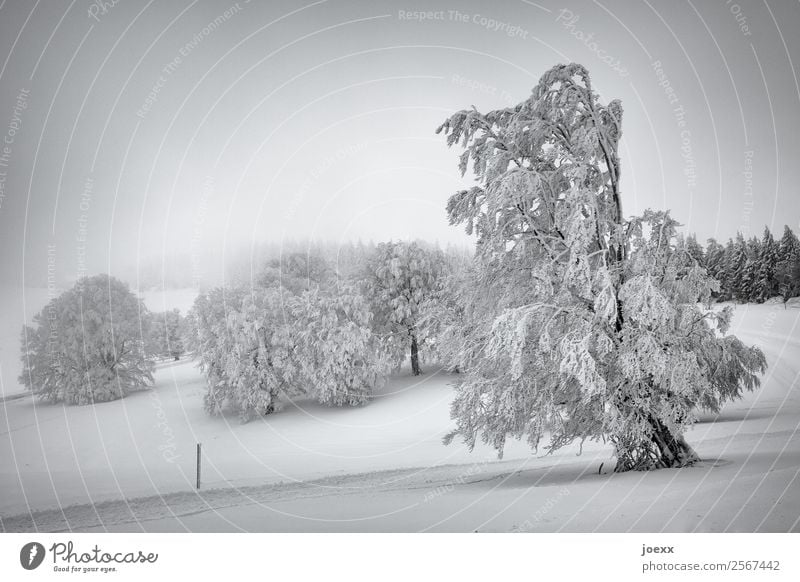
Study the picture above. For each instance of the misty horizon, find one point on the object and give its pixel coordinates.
(147, 133)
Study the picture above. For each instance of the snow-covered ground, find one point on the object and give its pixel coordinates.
(17, 306)
(130, 465)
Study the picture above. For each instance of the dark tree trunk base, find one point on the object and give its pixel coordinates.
(663, 451)
(415, 356)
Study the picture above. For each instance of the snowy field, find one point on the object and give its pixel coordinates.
(129, 465)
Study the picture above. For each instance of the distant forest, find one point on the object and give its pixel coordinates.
(751, 270)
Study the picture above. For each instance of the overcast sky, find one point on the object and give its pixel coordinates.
(142, 130)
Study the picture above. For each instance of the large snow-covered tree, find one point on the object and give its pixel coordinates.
(87, 345)
(338, 357)
(595, 325)
(400, 277)
(244, 346)
(259, 344)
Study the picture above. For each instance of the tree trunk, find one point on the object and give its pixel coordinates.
(414, 355)
(674, 450)
(664, 450)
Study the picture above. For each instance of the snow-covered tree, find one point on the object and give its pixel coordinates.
(449, 310)
(295, 272)
(766, 284)
(789, 246)
(736, 270)
(245, 348)
(597, 330)
(86, 345)
(715, 262)
(787, 271)
(338, 358)
(258, 344)
(212, 340)
(167, 334)
(695, 250)
(747, 287)
(727, 273)
(787, 276)
(400, 277)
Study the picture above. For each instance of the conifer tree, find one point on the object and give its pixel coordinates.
(736, 269)
(789, 246)
(695, 250)
(766, 283)
(715, 262)
(787, 272)
(748, 285)
(787, 275)
(727, 277)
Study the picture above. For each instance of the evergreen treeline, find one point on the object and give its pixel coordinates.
(751, 270)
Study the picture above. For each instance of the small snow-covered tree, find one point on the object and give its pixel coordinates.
(596, 329)
(86, 345)
(167, 334)
(295, 272)
(339, 359)
(400, 277)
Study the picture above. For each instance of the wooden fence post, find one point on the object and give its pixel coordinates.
(198, 465)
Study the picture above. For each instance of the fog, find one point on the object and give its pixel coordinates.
(170, 136)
